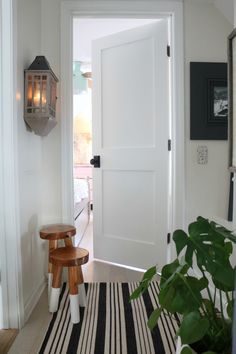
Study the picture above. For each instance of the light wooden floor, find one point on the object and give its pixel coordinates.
(30, 337)
(7, 337)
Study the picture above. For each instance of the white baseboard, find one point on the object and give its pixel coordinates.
(33, 299)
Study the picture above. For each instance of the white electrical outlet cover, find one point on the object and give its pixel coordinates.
(202, 155)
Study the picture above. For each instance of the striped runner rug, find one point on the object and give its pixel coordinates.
(110, 324)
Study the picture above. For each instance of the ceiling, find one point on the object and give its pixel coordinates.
(226, 7)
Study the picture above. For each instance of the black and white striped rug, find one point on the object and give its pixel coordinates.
(110, 324)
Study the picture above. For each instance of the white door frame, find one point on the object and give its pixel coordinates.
(125, 9)
(11, 299)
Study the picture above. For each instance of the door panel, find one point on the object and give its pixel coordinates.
(131, 73)
(130, 133)
(118, 220)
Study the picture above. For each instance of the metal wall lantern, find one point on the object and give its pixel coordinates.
(40, 97)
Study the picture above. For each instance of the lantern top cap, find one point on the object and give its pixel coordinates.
(40, 63)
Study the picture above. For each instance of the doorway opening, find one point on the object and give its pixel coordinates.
(171, 11)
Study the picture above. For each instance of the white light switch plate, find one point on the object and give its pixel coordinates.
(202, 155)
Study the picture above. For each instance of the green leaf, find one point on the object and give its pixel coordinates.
(228, 248)
(211, 251)
(209, 306)
(227, 234)
(152, 321)
(144, 284)
(202, 283)
(199, 227)
(138, 291)
(186, 350)
(193, 328)
(149, 274)
(166, 297)
(230, 307)
(223, 277)
(181, 294)
(189, 253)
(169, 272)
(209, 352)
(181, 240)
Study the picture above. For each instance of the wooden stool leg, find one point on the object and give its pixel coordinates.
(82, 293)
(56, 287)
(74, 296)
(68, 242)
(52, 246)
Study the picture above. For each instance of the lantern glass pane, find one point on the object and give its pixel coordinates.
(29, 77)
(45, 77)
(36, 92)
(53, 94)
(29, 93)
(44, 93)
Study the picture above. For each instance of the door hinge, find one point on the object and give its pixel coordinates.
(168, 238)
(169, 144)
(168, 51)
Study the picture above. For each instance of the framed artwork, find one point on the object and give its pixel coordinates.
(208, 101)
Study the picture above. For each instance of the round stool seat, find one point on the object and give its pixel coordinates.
(57, 231)
(69, 256)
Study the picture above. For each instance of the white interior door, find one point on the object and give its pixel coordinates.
(130, 134)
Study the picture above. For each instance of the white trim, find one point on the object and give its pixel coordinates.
(66, 116)
(34, 298)
(11, 281)
(131, 9)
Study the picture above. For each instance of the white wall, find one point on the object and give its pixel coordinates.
(206, 31)
(234, 13)
(30, 160)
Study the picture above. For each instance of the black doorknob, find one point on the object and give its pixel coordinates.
(95, 161)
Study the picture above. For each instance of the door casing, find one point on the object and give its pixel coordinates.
(11, 294)
(125, 9)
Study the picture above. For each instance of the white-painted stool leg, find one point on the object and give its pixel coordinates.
(82, 295)
(54, 299)
(49, 286)
(74, 308)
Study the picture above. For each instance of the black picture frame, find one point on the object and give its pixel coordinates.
(208, 101)
(232, 98)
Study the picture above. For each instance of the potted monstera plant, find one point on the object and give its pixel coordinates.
(199, 286)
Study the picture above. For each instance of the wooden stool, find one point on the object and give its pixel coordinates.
(53, 233)
(73, 258)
